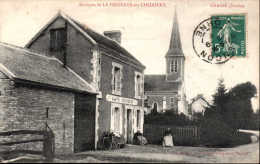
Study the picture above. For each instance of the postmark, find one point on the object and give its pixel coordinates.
(228, 35)
(202, 44)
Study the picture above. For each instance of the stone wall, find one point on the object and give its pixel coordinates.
(24, 107)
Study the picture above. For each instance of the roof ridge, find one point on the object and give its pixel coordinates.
(28, 51)
(73, 22)
(89, 28)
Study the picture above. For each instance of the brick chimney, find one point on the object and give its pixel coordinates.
(114, 35)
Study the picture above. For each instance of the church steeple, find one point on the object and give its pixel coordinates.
(174, 56)
(175, 47)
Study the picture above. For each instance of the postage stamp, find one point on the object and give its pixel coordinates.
(220, 37)
(228, 35)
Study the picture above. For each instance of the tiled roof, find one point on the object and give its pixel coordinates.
(104, 40)
(159, 83)
(25, 66)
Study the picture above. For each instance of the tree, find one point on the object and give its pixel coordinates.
(234, 106)
(220, 98)
(239, 105)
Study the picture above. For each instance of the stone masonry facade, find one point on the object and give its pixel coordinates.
(24, 107)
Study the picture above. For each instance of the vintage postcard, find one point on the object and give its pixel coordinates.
(129, 81)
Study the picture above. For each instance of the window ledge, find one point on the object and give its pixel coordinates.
(116, 93)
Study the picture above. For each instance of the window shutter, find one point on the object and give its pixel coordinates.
(121, 120)
(118, 82)
(142, 120)
(136, 94)
(113, 79)
(112, 119)
(134, 121)
(141, 86)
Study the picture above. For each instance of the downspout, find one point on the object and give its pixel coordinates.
(96, 50)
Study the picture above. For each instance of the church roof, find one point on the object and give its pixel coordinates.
(175, 48)
(159, 83)
(24, 66)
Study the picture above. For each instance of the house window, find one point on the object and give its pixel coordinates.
(164, 103)
(138, 117)
(116, 79)
(146, 103)
(174, 66)
(138, 85)
(47, 112)
(172, 102)
(58, 39)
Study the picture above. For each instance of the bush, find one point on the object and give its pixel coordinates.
(169, 118)
(215, 132)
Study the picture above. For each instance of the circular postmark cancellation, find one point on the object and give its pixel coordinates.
(203, 47)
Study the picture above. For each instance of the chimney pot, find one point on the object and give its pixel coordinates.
(114, 35)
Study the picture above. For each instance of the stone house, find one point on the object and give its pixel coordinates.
(35, 89)
(167, 91)
(198, 105)
(101, 61)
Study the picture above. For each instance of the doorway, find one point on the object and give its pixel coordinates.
(84, 123)
(129, 126)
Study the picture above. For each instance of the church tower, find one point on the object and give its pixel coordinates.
(175, 57)
(175, 65)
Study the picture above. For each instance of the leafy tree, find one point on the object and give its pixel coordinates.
(240, 109)
(234, 106)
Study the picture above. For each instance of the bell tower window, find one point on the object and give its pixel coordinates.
(174, 66)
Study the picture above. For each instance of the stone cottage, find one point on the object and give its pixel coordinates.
(101, 61)
(167, 91)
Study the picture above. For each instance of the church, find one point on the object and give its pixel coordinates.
(167, 91)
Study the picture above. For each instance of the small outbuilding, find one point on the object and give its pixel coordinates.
(35, 89)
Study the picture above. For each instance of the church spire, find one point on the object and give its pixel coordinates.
(175, 48)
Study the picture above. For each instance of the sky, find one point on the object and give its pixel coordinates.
(146, 33)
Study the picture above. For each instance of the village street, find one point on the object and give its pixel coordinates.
(154, 153)
(179, 154)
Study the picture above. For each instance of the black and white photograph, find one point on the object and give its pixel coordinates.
(129, 81)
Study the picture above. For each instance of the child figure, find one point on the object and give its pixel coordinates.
(167, 138)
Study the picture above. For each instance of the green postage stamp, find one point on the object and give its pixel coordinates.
(228, 35)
